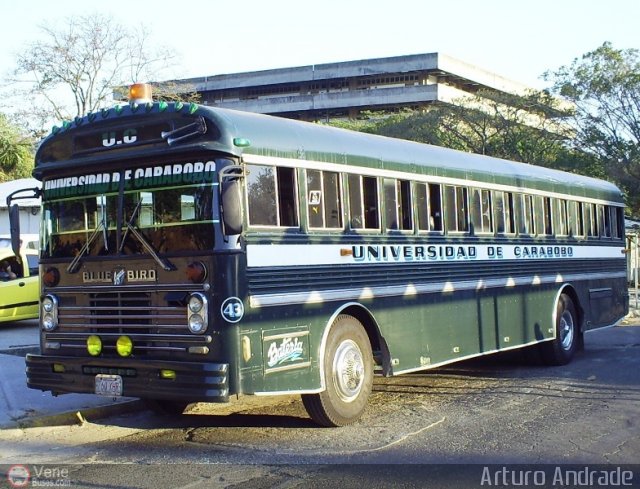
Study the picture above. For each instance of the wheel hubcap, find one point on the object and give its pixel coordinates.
(566, 330)
(348, 370)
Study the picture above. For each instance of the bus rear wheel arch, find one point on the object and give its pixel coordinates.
(348, 375)
(563, 347)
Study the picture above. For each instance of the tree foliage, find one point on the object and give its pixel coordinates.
(604, 85)
(74, 69)
(16, 152)
(530, 128)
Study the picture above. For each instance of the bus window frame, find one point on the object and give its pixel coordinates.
(428, 208)
(277, 199)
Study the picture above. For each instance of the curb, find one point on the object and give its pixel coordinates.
(80, 416)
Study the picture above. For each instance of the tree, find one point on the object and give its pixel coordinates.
(530, 128)
(604, 85)
(16, 152)
(74, 70)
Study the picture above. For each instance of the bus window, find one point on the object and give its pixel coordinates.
(261, 192)
(526, 214)
(371, 206)
(457, 201)
(429, 198)
(397, 200)
(561, 217)
(548, 218)
(504, 212)
(323, 199)
(579, 219)
(617, 222)
(602, 222)
(363, 202)
(271, 196)
(542, 216)
(435, 207)
(481, 210)
(607, 221)
(572, 218)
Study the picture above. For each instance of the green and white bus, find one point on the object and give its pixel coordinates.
(191, 253)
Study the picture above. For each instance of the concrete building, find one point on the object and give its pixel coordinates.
(344, 89)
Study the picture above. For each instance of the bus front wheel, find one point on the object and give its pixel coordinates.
(560, 351)
(348, 374)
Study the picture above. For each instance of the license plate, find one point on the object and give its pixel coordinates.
(109, 385)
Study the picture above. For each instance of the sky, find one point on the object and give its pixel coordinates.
(517, 39)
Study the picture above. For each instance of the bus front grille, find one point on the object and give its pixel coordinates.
(156, 325)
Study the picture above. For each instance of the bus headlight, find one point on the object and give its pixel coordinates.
(196, 324)
(49, 312)
(197, 316)
(195, 304)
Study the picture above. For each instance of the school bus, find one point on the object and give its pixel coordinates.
(191, 253)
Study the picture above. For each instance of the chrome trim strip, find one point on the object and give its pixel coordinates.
(408, 290)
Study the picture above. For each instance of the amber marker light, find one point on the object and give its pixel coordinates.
(196, 272)
(140, 93)
(51, 277)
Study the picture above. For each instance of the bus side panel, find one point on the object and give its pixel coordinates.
(432, 329)
(280, 348)
(607, 301)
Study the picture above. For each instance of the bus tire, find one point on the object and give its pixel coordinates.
(348, 374)
(561, 350)
(164, 407)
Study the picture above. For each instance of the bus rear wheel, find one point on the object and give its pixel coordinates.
(348, 374)
(561, 350)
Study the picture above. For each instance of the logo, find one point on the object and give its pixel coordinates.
(118, 276)
(290, 350)
(18, 476)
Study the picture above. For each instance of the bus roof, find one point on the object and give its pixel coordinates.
(80, 142)
(279, 137)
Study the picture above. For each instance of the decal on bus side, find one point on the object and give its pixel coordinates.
(286, 351)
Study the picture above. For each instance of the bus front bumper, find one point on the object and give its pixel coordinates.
(190, 381)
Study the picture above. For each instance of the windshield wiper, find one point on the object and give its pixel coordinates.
(165, 264)
(87, 246)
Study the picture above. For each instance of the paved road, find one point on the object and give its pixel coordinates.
(497, 410)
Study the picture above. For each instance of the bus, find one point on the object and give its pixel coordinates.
(194, 254)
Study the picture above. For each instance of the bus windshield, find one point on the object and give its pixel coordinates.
(170, 220)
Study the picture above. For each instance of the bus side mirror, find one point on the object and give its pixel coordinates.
(14, 227)
(232, 206)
